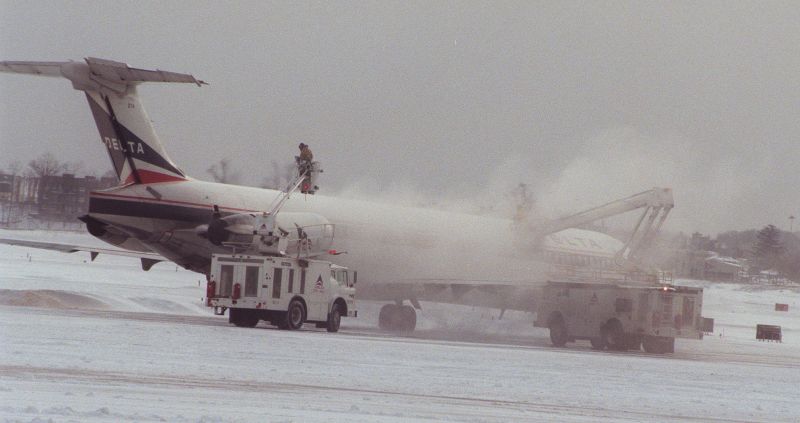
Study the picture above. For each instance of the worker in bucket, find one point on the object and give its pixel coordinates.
(304, 167)
(305, 158)
(305, 153)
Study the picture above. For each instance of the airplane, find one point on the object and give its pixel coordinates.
(159, 213)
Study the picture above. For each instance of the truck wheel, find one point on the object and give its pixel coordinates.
(233, 316)
(334, 319)
(397, 318)
(250, 321)
(388, 317)
(558, 331)
(598, 343)
(295, 315)
(633, 342)
(243, 318)
(658, 344)
(613, 335)
(408, 319)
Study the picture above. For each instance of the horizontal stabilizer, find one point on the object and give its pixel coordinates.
(118, 71)
(33, 68)
(98, 74)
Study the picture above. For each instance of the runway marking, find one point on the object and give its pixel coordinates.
(86, 375)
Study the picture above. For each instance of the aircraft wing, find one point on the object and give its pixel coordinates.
(510, 295)
(148, 259)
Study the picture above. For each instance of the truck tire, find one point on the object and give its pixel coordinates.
(334, 319)
(614, 336)
(633, 342)
(388, 317)
(243, 318)
(295, 315)
(397, 318)
(598, 343)
(233, 316)
(558, 331)
(251, 321)
(408, 318)
(658, 344)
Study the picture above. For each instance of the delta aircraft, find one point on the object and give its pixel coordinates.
(159, 213)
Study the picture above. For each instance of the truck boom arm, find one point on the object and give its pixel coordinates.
(657, 203)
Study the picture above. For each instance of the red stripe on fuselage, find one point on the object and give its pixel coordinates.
(150, 177)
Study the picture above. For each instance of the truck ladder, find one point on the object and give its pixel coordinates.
(265, 222)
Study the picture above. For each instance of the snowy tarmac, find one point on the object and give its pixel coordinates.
(104, 341)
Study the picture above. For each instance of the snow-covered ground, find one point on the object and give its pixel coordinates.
(104, 341)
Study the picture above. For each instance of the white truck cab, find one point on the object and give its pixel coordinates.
(284, 291)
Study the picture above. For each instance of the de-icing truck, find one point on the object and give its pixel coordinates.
(284, 291)
(621, 316)
(272, 273)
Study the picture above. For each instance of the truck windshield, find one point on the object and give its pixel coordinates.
(341, 277)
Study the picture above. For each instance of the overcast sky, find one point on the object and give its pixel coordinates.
(445, 101)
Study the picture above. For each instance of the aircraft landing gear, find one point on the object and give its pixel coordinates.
(397, 318)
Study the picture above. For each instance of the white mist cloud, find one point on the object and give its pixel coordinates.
(708, 183)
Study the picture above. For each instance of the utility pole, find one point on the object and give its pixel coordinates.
(791, 223)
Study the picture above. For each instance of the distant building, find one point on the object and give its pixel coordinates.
(65, 197)
(55, 198)
(707, 265)
(6, 187)
(723, 269)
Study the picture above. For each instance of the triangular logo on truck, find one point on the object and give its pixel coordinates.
(319, 286)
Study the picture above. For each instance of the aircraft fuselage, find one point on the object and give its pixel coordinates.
(380, 239)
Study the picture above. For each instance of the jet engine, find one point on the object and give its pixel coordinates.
(293, 233)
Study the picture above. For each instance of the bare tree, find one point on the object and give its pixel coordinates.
(222, 172)
(768, 248)
(45, 165)
(14, 168)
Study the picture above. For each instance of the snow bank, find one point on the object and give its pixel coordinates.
(49, 299)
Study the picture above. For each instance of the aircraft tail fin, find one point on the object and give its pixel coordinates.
(136, 153)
